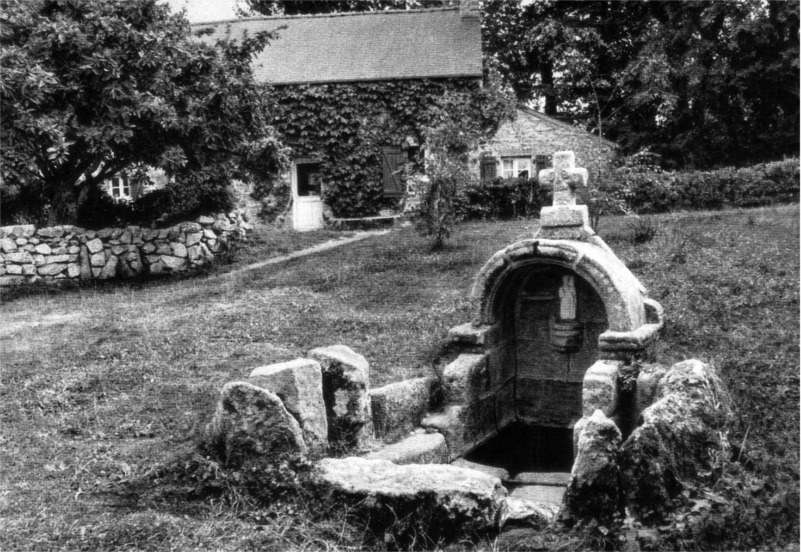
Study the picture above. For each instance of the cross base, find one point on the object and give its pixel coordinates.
(565, 223)
(564, 215)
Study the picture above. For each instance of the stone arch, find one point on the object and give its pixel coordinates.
(622, 294)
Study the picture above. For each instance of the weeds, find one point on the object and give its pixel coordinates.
(643, 229)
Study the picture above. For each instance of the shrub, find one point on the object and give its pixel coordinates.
(646, 189)
(275, 197)
(501, 198)
(642, 229)
(438, 210)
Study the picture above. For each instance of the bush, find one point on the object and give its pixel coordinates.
(274, 197)
(501, 198)
(183, 200)
(438, 210)
(646, 189)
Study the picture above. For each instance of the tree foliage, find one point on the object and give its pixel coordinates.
(93, 87)
(701, 83)
(301, 7)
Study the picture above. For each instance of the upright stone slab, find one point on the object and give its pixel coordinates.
(346, 385)
(399, 407)
(464, 378)
(299, 384)
(595, 488)
(251, 424)
(681, 435)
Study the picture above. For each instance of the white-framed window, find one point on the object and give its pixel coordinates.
(120, 187)
(516, 167)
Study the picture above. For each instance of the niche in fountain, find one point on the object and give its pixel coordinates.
(555, 318)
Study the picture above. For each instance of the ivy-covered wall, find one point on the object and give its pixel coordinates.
(345, 126)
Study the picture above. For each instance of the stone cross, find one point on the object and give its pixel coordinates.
(564, 178)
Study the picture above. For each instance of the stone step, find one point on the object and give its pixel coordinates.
(554, 479)
(421, 448)
(545, 494)
(495, 471)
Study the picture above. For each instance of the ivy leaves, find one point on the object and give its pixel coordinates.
(345, 126)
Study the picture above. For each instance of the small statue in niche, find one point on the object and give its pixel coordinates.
(566, 331)
(567, 298)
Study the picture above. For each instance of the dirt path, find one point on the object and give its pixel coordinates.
(325, 246)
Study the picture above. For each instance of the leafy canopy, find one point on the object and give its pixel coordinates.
(701, 83)
(93, 87)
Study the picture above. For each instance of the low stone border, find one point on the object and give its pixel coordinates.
(62, 253)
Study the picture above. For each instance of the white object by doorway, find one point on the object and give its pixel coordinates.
(307, 203)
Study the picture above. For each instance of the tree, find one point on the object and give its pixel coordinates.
(92, 87)
(701, 83)
(716, 83)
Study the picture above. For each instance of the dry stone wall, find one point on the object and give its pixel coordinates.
(29, 254)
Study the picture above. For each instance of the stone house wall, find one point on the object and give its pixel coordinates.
(533, 134)
(29, 255)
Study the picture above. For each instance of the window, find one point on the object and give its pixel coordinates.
(489, 168)
(309, 179)
(120, 187)
(516, 167)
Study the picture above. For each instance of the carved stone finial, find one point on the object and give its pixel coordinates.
(565, 219)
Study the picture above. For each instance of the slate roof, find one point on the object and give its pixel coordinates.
(566, 126)
(365, 46)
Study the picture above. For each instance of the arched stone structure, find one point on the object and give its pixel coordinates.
(556, 317)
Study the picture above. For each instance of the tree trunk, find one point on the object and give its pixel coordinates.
(551, 101)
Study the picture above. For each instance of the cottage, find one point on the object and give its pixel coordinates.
(353, 92)
(523, 147)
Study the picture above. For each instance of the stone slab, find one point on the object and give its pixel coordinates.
(402, 502)
(448, 421)
(299, 384)
(557, 217)
(464, 378)
(421, 448)
(399, 407)
(346, 385)
(553, 479)
(495, 471)
(518, 511)
(251, 423)
(546, 494)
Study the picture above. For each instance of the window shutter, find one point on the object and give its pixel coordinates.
(392, 160)
(489, 168)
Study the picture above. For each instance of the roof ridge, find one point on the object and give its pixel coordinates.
(566, 126)
(321, 16)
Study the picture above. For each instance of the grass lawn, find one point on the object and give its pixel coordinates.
(103, 387)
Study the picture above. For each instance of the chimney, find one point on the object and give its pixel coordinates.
(469, 9)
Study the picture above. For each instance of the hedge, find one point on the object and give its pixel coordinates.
(653, 191)
(643, 189)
